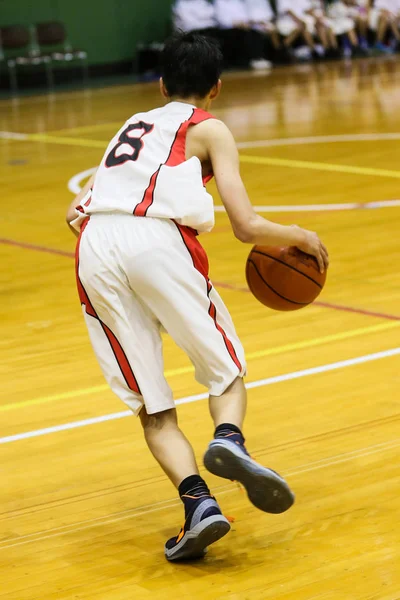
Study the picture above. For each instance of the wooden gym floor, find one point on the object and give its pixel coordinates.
(85, 510)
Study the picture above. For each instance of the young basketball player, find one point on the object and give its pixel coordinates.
(140, 267)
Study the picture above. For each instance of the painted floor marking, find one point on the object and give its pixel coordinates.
(196, 397)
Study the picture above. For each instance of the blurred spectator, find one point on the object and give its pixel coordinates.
(262, 19)
(344, 25)
(324, 28)
(242, 45)
(295, 20)
(384, 18)
(250, 32)
(194, 15)
(358, 10)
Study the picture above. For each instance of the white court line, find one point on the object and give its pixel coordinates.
(298, 141)
(11, 135)
(74, 183)
(320, 139)
(320, 207)
(254, 384)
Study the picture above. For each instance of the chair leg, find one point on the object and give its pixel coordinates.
(49, 75)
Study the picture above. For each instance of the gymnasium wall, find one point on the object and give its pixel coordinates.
(108, 29)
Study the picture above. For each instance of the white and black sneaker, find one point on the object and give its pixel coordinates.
(204, 525)
(267, 490)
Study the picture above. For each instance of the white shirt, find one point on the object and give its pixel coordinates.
(230, 12)
(193, 14)
(392, 6)
(144, 171)
(259, 10)
(299, 7)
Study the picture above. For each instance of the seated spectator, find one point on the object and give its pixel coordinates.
(194, 15)
(358, 11)
(295, 20)
(324, 28)
(243, 46)
(343, 24)
(384, 18)
(262, 19)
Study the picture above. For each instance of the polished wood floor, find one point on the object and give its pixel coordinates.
(85, 510)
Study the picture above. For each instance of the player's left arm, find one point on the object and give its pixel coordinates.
(71, 212)
(216, 143)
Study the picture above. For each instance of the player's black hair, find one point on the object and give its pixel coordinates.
(191, 65)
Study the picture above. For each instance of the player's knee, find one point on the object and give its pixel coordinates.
(157, 421)
(235, 387)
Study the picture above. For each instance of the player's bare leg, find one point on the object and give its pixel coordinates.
(394, 28)
(362, 25)
(308, 38)
(353, 38)
(204, 522)
(292, 37)
(168, 445)
(382, 28)
(323, 35)
(332, 40)
(231, 406)
(275, 40)
(227, 456)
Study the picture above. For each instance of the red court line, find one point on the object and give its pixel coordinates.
(360, 311)
(37, 248)
(221, 284)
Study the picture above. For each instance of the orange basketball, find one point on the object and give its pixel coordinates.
(283, 278)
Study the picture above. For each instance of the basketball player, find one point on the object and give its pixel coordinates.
(140, 267)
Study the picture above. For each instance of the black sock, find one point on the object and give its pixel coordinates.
(231, 431)
(191, 489)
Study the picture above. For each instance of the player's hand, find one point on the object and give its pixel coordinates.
(310, 243)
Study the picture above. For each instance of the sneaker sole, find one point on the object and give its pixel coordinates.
(265, 488)
(195, 541)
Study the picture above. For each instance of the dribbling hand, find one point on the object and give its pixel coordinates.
(310, 243)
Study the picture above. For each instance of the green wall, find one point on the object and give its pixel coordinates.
(108, 30)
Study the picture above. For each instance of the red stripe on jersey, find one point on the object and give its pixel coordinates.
(116, 347)
(148, 197)
(200, 263)
(177, 155)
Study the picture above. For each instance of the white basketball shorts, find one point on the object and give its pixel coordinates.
(136, 275)
(286, 25)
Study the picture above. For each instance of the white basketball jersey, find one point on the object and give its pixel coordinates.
(144, 171)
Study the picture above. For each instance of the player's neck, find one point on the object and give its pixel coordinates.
(203, 103)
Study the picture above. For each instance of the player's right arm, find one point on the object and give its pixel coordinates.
(247, 225)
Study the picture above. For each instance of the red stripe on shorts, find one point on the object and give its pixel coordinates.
(121, 359)
(116, 347)
(212, 311)
(200, 263)
(195, 249)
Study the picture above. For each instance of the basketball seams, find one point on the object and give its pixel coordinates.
(272, 289)
(287, 265)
